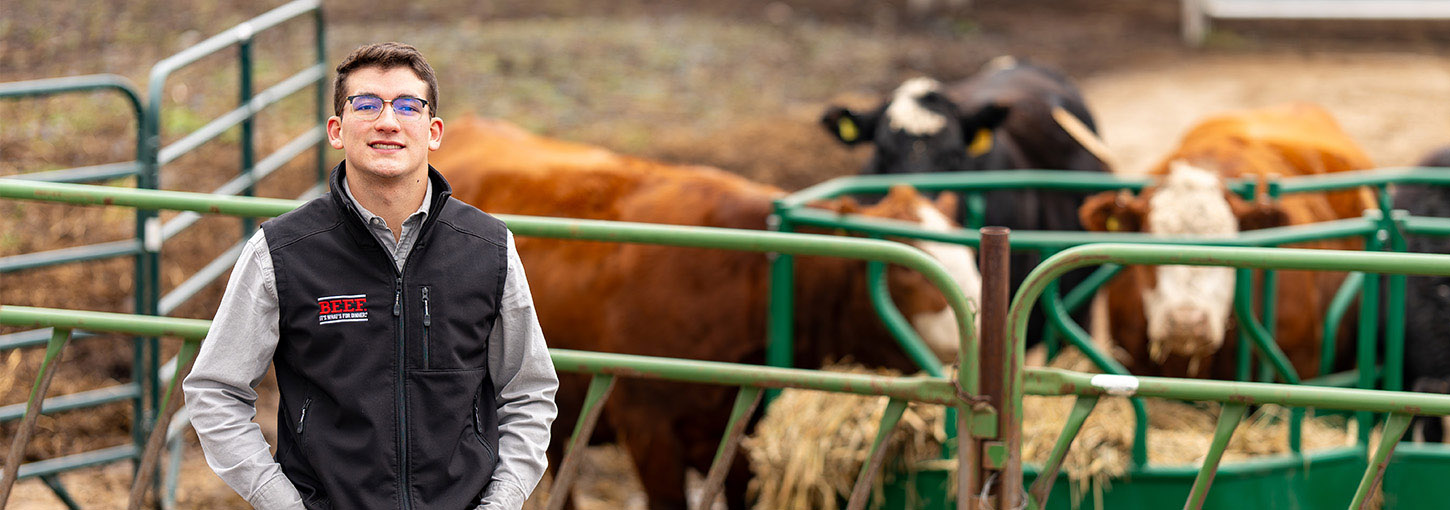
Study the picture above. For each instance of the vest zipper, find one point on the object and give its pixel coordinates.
(427, 321)
(303, 418)
(407, 492)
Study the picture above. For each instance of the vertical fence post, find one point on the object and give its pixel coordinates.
(998, 359)
(320, 41)
(248, 140)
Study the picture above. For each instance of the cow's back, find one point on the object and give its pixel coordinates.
(1287, 141)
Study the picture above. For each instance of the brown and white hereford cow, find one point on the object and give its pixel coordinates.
(681, 302)
(1172, 320)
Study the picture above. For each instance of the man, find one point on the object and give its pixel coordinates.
(412, 369)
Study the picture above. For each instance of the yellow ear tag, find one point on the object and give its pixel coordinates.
(1112, 224)
(847, 130)
(980, 143)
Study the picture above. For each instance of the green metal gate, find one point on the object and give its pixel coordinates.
(150, 232)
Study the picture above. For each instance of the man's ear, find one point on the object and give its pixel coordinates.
(334, 132)
(435, 133)
(849, 127)
(979, 125)
(1258, 214)
(1112, 211)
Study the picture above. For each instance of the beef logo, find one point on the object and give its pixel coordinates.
(349, 308)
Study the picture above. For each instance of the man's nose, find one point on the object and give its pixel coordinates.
(387, 120)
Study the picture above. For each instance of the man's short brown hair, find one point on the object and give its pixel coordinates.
(385, 56)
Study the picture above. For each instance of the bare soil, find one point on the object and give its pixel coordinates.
(737, 85)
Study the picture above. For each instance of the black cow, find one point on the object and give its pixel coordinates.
(1427, 300)
(1011, 115)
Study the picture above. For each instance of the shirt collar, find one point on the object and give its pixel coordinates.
(367, 216)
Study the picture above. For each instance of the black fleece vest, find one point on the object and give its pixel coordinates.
(386, 396)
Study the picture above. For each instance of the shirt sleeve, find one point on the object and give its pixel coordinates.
(221, 388)
(523, 373)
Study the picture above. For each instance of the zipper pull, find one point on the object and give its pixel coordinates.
(398, 298)
(427, 319)
(303, 419)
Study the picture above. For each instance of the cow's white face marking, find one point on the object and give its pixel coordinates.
(906, 112)
(939, 329)
(1188, 311)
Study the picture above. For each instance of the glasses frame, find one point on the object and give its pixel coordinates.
(387, 103)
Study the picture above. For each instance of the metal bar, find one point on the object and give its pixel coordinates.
(968, 181)
(1322, 9)
(599, 388)
(216, 43)
(780, 317)
(1228, 419)
(320, 93)
(60, 492)
(1260, 337)
(1394, 299)
(897, 324)
(1348, 291)
(1422, 225)
(137, 325)
(890, 418)
(92, 173)
(34, 337)
(916, 389)
(1365, 355)
(78, 400)
(995, 354)
(150, 458)
(33, 407)
(1083, 341)
(248, 139)
(268, 165)
(746, 402)
(15, 263)
(241, 114)
(1051, 381)
(1085, 290)
(201, 279)
(79, 460)
(1374, 473)
(1042, 487)
(1057, 240)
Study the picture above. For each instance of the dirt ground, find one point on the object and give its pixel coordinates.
(737, 85)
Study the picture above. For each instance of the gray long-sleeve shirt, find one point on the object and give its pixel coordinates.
(221, 395)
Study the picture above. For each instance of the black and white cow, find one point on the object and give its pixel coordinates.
(1427, 300)
(1011, 115)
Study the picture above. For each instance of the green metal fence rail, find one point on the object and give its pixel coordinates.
(1381, 229)
(151, 156)
(1233, 395)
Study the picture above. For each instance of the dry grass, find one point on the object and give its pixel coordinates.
(808, 449)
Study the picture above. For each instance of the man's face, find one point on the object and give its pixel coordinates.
(390, 146)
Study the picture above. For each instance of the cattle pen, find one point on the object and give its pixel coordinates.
(986, 393)
(995, 450)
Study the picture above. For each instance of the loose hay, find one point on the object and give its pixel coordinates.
(809, 447)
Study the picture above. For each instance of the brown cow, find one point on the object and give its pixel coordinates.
(1170, 319)
(680, 302)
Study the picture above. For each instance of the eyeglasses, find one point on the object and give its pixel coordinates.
(370, 107)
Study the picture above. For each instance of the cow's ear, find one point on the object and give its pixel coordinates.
(948, 203)
(847, 126)
(1112, 211)
(1258, 214)
(979, 125)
